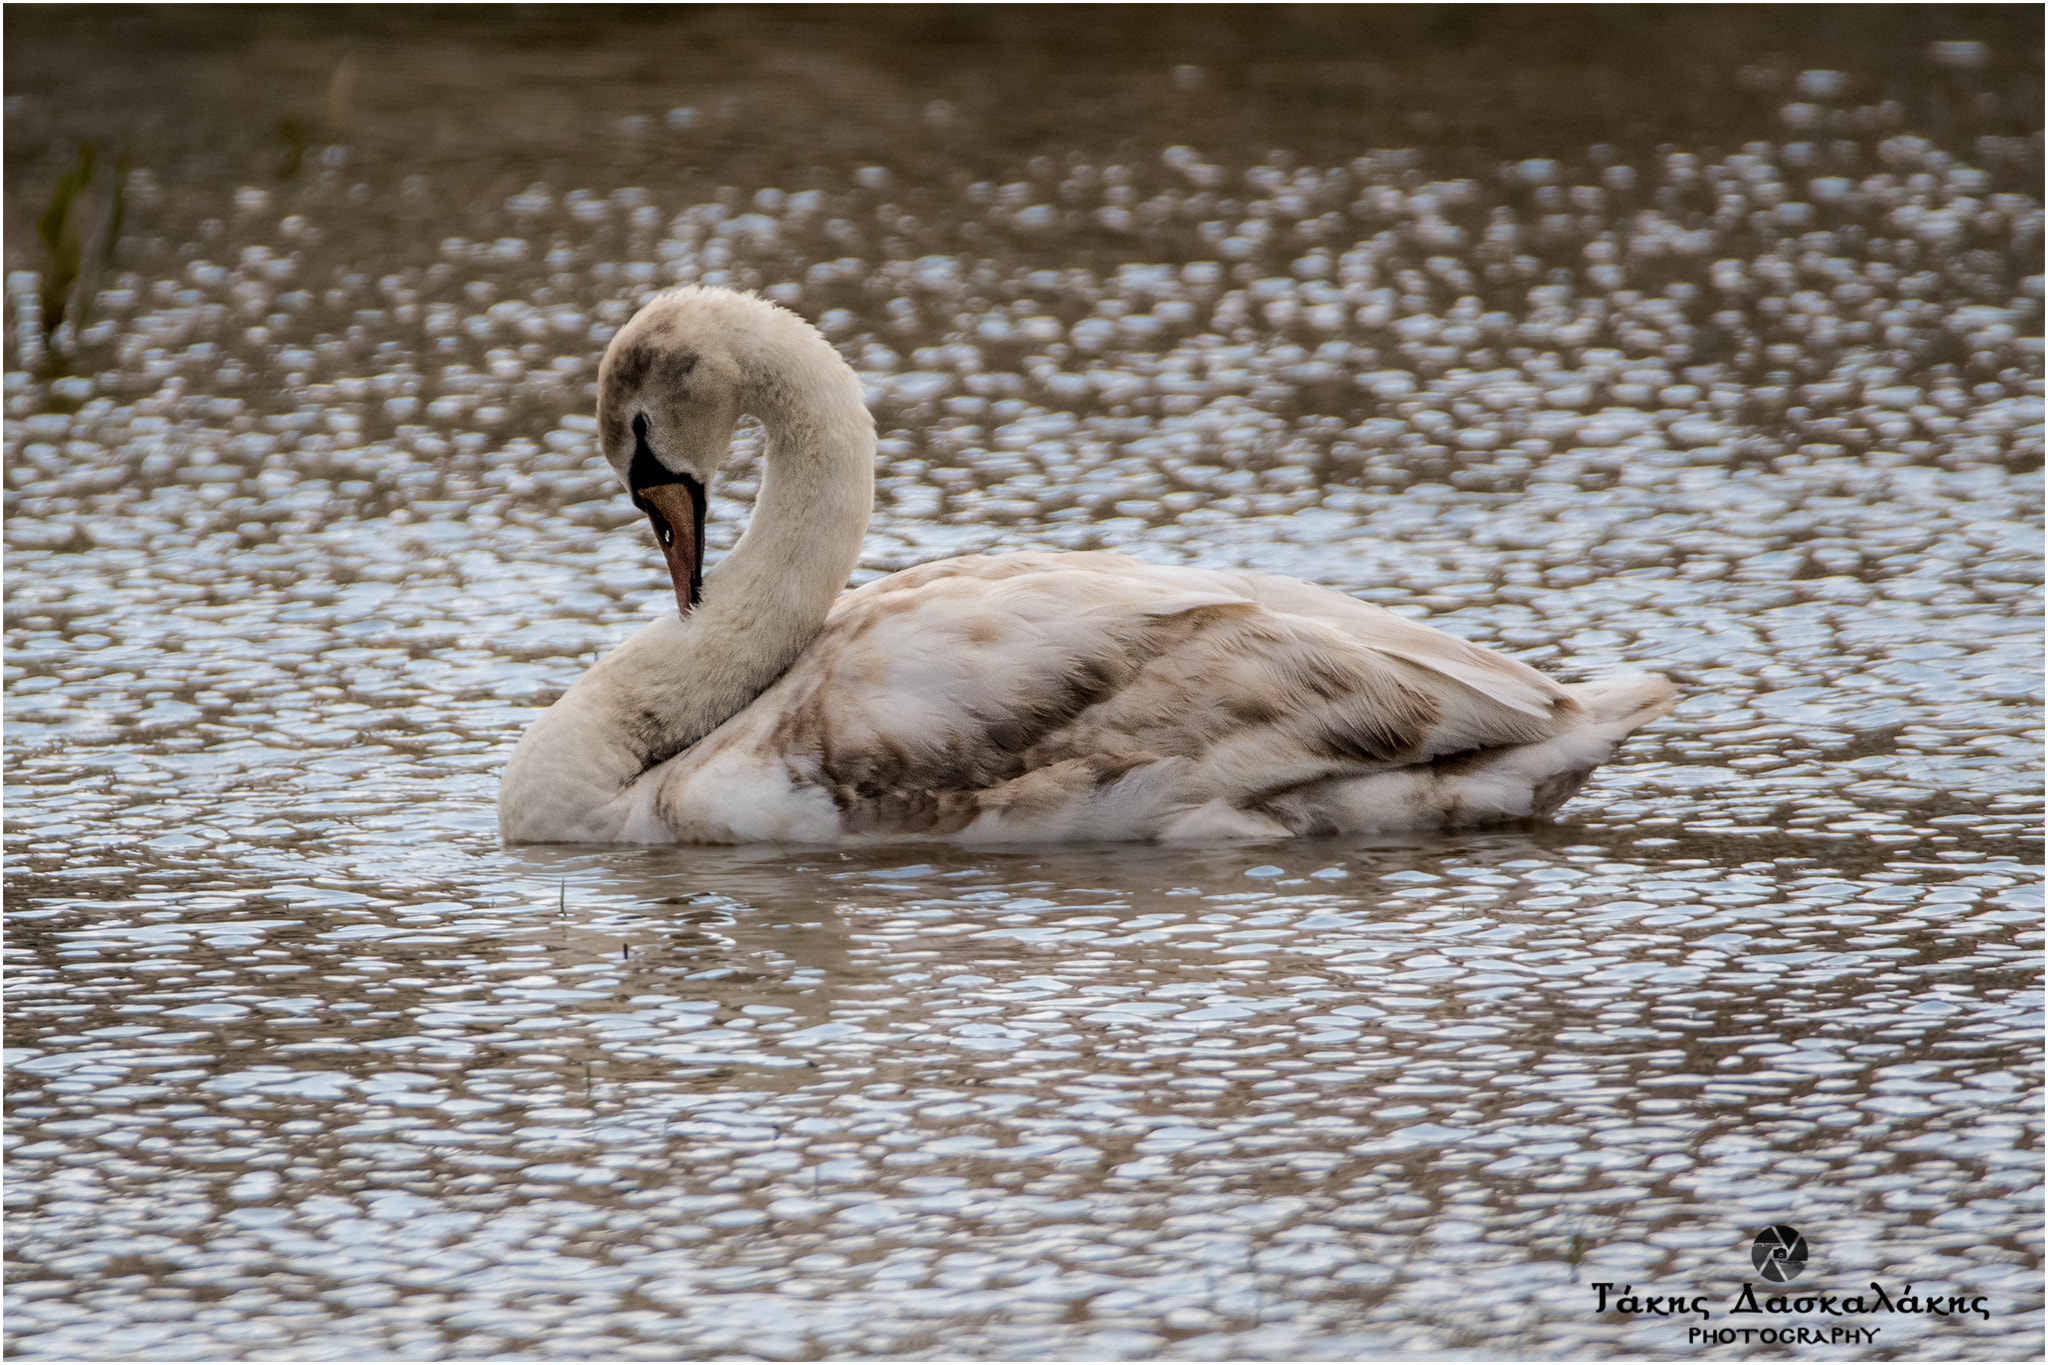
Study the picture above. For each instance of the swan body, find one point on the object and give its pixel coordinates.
(1021, 696)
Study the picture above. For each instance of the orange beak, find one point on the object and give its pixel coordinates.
(678, 521)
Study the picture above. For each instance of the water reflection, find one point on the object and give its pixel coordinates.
(1722, 366)
(1179, 1091)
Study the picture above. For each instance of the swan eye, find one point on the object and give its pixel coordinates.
(663, 532)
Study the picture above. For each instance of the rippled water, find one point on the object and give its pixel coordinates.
(1715, 352)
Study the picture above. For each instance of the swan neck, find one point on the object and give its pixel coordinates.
(573, 775)
(773, 590)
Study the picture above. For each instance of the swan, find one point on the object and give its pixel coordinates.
(1024, 696)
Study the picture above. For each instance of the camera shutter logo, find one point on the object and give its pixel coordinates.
(1778, 1253)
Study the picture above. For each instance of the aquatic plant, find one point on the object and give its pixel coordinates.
(62, 247)
(292, 133)
(79, 230)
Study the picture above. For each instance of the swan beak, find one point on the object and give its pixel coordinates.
(678, 520)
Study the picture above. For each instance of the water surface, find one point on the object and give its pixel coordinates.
(1691, 344)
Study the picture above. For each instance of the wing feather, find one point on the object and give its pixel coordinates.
(933, 694)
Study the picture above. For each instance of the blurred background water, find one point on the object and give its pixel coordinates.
(1699, 339)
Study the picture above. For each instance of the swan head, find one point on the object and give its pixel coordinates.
(670, 392)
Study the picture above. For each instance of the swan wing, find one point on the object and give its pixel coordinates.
(1504, 681)
(1051, 695)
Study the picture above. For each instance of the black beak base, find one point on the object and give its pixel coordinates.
(678, 526)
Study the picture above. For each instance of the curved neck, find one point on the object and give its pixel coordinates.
(678, 679)
(768, 597)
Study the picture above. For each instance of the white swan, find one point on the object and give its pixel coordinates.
(1007, 697)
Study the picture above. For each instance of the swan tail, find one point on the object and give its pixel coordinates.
(1483, 786)
(1628, 703)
